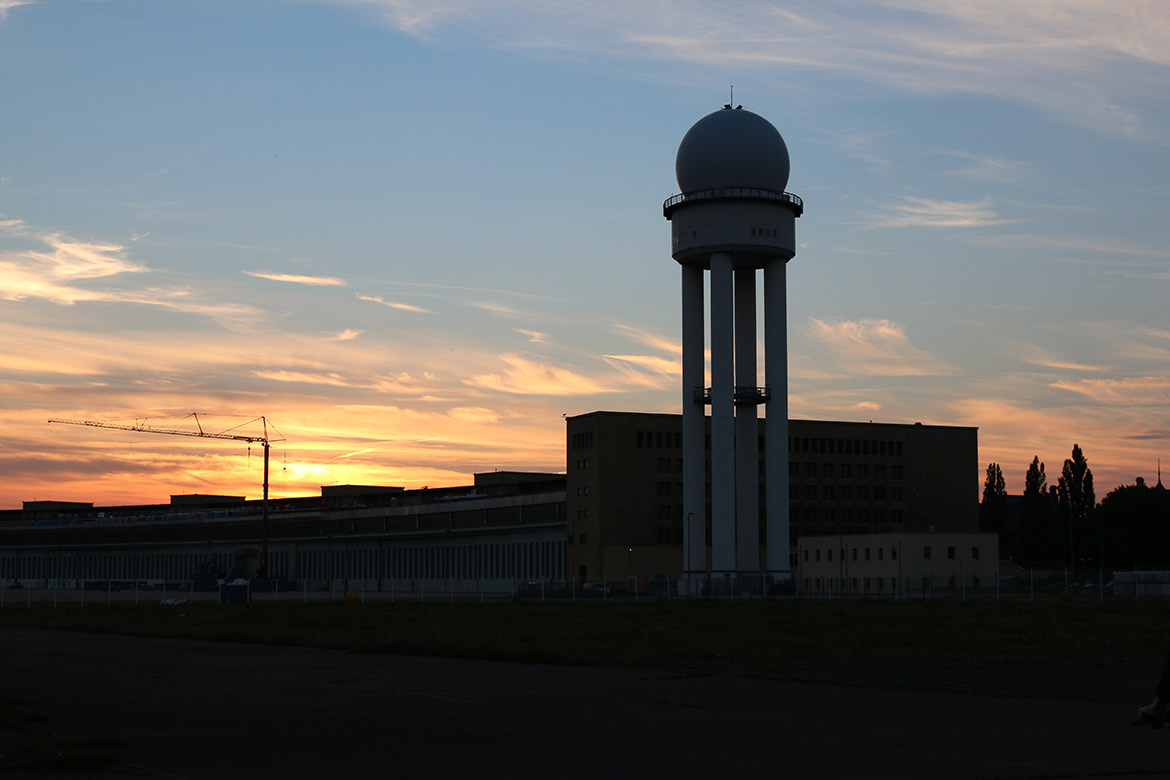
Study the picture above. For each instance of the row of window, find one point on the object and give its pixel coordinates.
(879, 553)
(114, 566)
(798, 469)
(813, 470)
(824, 446)
(827, 517)
(517, 560)
(802, 445)
(845, 493)
(864, 585)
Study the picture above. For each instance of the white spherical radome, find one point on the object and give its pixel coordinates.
(732, 148)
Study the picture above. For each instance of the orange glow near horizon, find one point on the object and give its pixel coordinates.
(345, 445)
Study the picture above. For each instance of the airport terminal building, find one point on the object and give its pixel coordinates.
(614, 516)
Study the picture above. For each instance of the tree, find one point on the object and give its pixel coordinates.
(1077, 500)
(993, 511)
(1135, 526)
(1036, 532)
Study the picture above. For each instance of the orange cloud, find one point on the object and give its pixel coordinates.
(312, 281)
(525, 377)
(868, 347)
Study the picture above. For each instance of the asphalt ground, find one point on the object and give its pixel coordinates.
(193, 709)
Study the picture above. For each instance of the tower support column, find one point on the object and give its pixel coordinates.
(694, 429)
(722, 416)
(747, 480)
(776, 426)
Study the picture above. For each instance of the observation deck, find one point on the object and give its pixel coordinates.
(733, 193)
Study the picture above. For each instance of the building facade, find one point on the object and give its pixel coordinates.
(624, 486)
(505, 529)
(897, 564)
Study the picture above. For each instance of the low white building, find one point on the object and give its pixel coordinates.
(897, 564)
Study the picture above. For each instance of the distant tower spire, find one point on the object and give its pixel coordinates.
(1159, 485)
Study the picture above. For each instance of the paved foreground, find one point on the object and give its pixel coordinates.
(208, 710)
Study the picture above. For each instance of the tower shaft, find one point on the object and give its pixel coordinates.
(734, 219)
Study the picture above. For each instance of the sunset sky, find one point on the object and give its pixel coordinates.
(413, 234)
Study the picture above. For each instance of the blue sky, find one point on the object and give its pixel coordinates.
(413, 235)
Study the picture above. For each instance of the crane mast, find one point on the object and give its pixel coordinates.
(264, 441)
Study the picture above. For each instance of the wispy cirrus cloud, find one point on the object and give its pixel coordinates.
(871, 347)
(1066, 243)
(312, 281)
(8, 5)
(670, 346)
(1039, 356)
(646, 370)
(1129, 391)
(378, 299)
(998, 170)
(925, 212)
(402, 384)
(52, 266)
(495, 308)
(527, 377)
(534, 336)
(1091, 63)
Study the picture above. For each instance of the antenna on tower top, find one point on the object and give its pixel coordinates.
(732, 101)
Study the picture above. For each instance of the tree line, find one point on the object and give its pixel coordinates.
(1063, 524)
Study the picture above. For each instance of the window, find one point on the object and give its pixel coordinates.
(926, 553)
(974, 553)
(950, 553)
(854, 551)
(867, 553)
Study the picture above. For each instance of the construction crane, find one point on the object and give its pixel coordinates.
(264, 441)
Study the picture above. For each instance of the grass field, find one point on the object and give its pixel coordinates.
(1056, 648)
(1052, 648)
